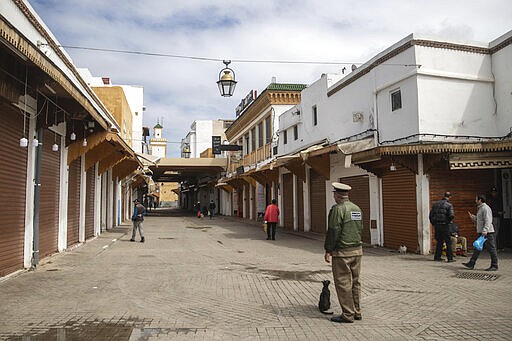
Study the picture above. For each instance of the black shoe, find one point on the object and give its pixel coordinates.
(142, 240)
(469, 265)
(358, 317)
(340, 319)
(132, 240)
(451, 260)
(492, 268)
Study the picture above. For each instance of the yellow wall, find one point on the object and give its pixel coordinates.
(166, 191)
(114, 99)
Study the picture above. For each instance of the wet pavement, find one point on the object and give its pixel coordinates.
(221, 280)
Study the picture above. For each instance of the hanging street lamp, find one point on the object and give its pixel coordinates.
(227, 80)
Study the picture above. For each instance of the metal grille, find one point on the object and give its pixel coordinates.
(477, 275)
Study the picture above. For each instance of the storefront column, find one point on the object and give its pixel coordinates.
(423, 208)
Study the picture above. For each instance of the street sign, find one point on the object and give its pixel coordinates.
(216, 145)
(230, 147)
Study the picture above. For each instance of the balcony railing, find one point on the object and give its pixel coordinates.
(252, 158)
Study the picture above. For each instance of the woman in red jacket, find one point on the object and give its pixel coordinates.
(271, 218)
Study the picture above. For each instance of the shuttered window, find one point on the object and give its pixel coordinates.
(317, 202)
(49, 196)
(13, 176)
(73, 202)
(288, 201)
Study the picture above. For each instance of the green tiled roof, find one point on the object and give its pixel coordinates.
(284, 86)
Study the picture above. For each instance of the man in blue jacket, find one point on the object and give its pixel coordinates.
(138, 217)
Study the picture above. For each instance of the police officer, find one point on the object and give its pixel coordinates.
(343, 245)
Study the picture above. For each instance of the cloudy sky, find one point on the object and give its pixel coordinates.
(180, 90)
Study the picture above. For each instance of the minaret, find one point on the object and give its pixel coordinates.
(158, 144)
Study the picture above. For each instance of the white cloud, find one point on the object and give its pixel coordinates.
(183, 90)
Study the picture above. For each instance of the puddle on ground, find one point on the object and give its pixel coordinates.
(306, 276)
(98, 330)
(276, 275)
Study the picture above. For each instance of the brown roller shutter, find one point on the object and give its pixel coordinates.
(300, 204)
(360, 195)
(318, 209)
(49, 198)
(13, 177)
(464, 185)
(89, 204)
(287, 201)
(73, 202)
(400, 223)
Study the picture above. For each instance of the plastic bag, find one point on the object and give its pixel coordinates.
(479, 243)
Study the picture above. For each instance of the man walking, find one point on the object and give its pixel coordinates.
(483, 220)
(211, 209)
(441, 215)
(138, 217)
(343, 245)
(271, 218)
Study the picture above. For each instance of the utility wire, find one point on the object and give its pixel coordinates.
(202, 58)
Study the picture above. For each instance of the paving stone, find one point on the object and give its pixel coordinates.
(221, 280)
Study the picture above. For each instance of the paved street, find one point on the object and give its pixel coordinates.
(220, 279)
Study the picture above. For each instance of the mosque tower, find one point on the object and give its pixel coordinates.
(158, 144)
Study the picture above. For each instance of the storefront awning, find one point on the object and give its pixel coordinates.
(100, 146)
(225, 186)
(432, 148)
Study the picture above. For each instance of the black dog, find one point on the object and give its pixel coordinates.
(324, 303)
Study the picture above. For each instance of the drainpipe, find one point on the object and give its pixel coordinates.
(37, 195)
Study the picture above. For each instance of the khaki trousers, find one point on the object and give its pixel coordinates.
(346, 271)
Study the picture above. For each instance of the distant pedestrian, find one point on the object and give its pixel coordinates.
(483, 221)
(138, 217)
(197, 209)
(441, 215)
(343, 245)
(271, 218)
(211, 209)
(497, 211)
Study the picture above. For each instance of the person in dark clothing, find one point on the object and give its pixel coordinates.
(497, 211)
(441, 215)
(211, 209)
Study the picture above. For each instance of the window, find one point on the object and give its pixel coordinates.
(246, 144)
(295, 132)
(285, 137)
(315, 116)
(253, 139)
(260, 134)
(268, 130)
(396, 100)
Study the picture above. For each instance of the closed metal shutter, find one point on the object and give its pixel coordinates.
(400, 223)
(288, 201)
(89, 204)
(318, 209)
(300, 204)
(13, 177)
(49, 196)
(73, 202)
(464, 185)
(360, 195)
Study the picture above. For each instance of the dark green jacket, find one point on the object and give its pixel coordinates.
(345, 227)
